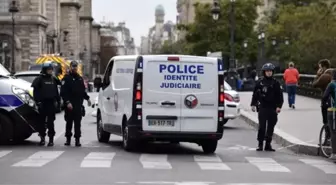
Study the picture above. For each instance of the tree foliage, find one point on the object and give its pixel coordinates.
(179, 47)
(311, 30)
(206, 34)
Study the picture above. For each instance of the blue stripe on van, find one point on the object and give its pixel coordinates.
(10, 101)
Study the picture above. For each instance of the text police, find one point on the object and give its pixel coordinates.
(177, 75)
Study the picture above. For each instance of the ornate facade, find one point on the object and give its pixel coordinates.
(47, 26)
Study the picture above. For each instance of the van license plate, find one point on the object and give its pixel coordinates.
(161, 123)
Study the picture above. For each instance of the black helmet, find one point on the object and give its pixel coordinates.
(73, 63)
(47, 65)
(268, 67)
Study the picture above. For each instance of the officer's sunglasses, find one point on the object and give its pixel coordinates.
(74, 66)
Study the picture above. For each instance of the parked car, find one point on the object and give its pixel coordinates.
(29, 76)
(94, 113)
(232, 103)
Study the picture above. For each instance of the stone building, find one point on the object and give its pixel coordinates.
(160, 32)
(96, 48)
(30, 32)
(48, 26)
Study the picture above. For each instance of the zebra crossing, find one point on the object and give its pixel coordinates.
(90, 159)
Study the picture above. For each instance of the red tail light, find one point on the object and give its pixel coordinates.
(138, 95)
(173, 59)
(221, 98)
(228, 97)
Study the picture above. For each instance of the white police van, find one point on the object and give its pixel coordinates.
(18, 113)
(162, 98)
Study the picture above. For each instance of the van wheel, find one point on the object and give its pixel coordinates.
(128, 143)
(209, 147)
(23, 137)
(6, 129)
(225, 121)
(102, 135)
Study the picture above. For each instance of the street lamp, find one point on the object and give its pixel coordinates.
(215, 10)
(245, 44)
(274, 42)
(287, 41)
(13, 9)
(261, 38)
(232, 75)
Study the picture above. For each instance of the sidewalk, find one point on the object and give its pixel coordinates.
(297, 129)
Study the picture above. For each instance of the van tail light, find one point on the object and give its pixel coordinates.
(138, 96)
(137, 92)
(228, 97)
(221, 95)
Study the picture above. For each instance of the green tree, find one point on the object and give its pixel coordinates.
(311, 30)
(179, 47)
(205, 34)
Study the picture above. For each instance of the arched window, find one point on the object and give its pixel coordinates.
(4, 6)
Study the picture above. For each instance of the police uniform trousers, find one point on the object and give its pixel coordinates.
(73, 117)
(267, 121)
(47, 112)
(332, 128)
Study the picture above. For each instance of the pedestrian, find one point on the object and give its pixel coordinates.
(323, 78)
(47, 98)
(331, 92)
(267, 100)
(73, 94)
(291, 77)
(97, 82)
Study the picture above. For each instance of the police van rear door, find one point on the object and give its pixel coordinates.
(161, 96)
(199, 94)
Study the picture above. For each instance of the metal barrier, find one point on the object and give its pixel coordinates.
(305, 87)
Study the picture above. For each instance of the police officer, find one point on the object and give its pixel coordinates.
(267, 99)
(73, 94)
(47, 97)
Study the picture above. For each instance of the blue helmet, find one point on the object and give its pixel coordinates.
(47, 65)
(268, 67)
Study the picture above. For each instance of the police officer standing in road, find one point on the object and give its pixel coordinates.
(47, 97)
(73, 94)
(267, 99)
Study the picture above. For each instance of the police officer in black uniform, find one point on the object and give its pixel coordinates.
(47, 97)
(267, 99)
(73, 94)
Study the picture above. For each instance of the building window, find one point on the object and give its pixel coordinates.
(4, 6)
(42, 6)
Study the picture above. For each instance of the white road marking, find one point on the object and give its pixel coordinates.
(59, 135)
(3, 153)
(39, 159)
(267, 164)
(98, 160)
(155, 161)
(259, 184)
(326, 167)
(210, 163)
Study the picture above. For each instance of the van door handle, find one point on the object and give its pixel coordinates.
(168, 103)
(108, 98)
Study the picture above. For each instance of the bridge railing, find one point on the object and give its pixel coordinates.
(305, 87)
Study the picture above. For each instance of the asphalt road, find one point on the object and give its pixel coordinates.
(236, 162)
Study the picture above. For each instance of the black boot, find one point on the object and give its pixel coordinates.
(68, 141)
(51, 141)
(78, 142)
(268, 147)
(260, 146)
(42, 141)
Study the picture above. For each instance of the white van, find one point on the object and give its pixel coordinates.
(162, 98)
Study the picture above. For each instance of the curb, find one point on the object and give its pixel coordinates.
(284, 139)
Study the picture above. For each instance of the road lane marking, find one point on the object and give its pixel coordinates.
(267, 164)
(210, 163)
(39, 159)
(3, 153)
(326, 167)
(98, 160)
(155, 161)
(260, 184)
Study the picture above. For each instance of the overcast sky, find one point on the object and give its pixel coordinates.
(138, 14)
